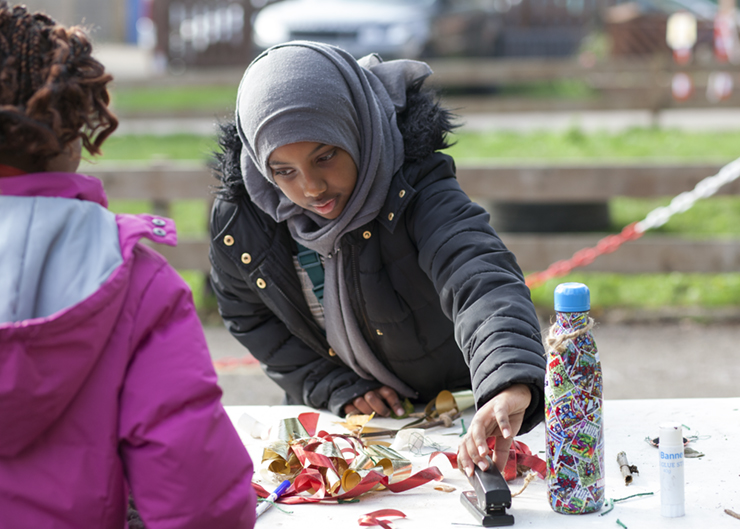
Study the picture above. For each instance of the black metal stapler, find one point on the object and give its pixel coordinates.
(490, 497)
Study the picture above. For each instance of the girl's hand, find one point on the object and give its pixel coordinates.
(378, 401)
(501, 417)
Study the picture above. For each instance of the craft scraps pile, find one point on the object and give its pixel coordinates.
(335, 467)
(326, 467)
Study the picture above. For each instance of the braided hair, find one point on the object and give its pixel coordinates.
(52, 91)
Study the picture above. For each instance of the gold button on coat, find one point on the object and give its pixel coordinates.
(261, 283)
(367, 234)
(402, 193)
(380, 333)
(390, 216)
(246, 258)
(228, 240)
(332, 352)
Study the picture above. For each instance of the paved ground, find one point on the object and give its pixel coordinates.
(660, 360)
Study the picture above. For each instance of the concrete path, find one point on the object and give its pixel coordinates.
(676, 360)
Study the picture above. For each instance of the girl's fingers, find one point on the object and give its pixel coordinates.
(464, 461)
(501, 412)
(377, 403)
(501, 452)
(362, 405)
(391, 397)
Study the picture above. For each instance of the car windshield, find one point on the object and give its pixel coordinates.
(393, 2)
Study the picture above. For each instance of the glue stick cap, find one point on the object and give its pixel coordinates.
(572, 297)
(671, 434)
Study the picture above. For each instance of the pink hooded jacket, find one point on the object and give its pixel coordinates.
(106, 383)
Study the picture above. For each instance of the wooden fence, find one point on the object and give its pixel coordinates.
(162, 184)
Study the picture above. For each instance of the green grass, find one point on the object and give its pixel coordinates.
(221, 98)
(168, 99)
(574, 145)
(571, 145)
(156, 148)
(649, 291)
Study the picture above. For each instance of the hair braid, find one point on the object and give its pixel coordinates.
(36, 61)
(52, 91)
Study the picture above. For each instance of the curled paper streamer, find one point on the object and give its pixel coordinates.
(447, 401)
(442, 403)
(464, 399)
(356, 424)
(374, 518)
(291, 430)
(410, 439)
(395, 466)
(353, 477)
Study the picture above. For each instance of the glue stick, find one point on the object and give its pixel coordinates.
(670, 447)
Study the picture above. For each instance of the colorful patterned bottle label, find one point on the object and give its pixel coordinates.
(574, 433)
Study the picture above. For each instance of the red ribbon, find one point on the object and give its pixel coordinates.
(309, 420)
(310, 479)
(376, 518)
(519, 454)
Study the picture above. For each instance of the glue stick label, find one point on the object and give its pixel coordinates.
(671, 481)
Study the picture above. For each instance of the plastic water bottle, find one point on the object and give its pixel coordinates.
(573, 407)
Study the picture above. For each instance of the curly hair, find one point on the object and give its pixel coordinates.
(52, 91)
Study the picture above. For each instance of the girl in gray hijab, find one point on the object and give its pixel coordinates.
(346, 257)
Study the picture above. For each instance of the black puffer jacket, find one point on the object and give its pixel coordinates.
(439, 298)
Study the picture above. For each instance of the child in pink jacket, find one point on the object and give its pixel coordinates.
(106, 384)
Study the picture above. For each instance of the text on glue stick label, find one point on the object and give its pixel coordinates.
(669, 460)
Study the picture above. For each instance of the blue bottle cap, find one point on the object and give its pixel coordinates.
(572, 297)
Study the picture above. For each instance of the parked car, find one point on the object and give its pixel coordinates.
(392, 28)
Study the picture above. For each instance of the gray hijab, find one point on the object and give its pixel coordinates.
(312, 92)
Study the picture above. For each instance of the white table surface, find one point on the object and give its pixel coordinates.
(712, 482)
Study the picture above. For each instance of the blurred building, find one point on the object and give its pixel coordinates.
(106, 20)
(182, 33)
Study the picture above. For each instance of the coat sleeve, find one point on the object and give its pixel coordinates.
(481, 289)
(306, 377)
(185, 463)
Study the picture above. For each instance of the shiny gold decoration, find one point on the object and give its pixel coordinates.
(395, 466)
(290, 430)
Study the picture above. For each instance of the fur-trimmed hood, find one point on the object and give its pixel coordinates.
(424, 125)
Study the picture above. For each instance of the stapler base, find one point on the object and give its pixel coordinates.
(496, 518)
